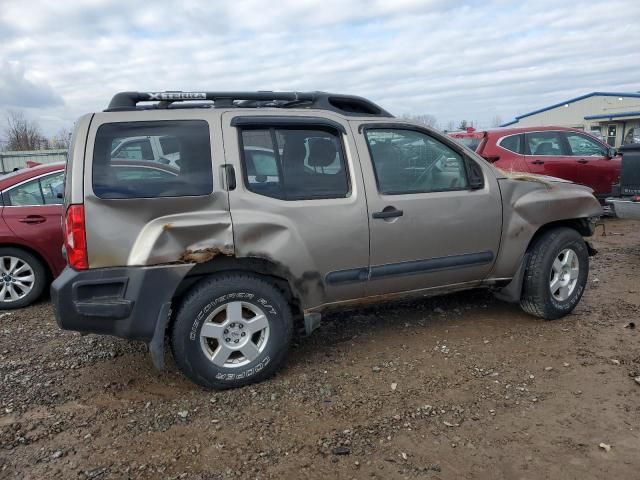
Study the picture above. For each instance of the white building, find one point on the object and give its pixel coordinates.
(607, 115)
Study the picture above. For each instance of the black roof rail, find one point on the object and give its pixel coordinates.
(344, 104)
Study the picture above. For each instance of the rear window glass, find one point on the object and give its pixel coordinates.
(469, 142)
(152, 159)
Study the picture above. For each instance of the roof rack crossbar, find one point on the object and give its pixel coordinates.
(345, 104)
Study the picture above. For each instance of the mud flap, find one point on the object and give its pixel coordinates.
(590, 248)
(311, 322)
(156, 345)
(512, 292)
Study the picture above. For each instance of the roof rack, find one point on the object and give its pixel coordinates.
(344, 104)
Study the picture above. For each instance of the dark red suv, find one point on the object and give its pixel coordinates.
(555, 151)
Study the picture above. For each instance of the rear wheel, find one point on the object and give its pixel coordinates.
(556, 274)
(22, 278)
(231, 330)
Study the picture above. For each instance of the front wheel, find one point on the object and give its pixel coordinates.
(231, 330)
(556, 274)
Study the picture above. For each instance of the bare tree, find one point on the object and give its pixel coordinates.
(21, 133)
(425, 119)
(496, 121)
(62, 139)
(451, 126)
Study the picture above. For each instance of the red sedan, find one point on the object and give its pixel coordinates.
(555, 151)
(31, 235)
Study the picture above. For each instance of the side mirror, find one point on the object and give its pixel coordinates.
(612, 152)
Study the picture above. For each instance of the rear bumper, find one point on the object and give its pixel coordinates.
(128, 302)
(625, 208)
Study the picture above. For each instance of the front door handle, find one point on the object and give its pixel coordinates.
(583, 161)
(388, 212)
(537, 162)
(32, 219)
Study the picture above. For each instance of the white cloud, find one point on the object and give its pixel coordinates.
(470, 60)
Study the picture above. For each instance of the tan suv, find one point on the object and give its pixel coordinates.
(278, 206)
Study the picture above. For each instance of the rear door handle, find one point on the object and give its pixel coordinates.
(537, 162)
(388, 212)
(32, 219)
(583, 161)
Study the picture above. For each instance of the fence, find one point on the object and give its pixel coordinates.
(9, 161)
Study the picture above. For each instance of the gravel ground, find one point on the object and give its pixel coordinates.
(461, 386)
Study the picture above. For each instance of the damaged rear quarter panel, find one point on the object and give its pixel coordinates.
(159, 230)
(529, 205)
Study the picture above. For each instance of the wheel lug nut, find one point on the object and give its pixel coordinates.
(236, 341)
(227, 339)
(232, 325)
(242, 334)
(226, 331)
(239, 325)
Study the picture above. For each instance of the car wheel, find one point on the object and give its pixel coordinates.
(231, 330)
(22, 278)
(556, 274)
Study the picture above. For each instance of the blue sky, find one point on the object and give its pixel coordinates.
(454, 60)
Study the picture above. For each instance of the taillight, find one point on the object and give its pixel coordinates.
(75, 238)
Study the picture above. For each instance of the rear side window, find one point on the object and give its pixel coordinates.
(130, 161)
(47, 190)
(294, 163)
(513, 143)
(544, 143)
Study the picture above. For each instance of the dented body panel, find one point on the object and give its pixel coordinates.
(529, 205)
(305, 239)
(152, 231)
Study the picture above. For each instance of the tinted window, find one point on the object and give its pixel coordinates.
(114, 177)
(512, 143)
(469, 142)
(132, 149)
(584, 146)
(169, 145)
(53, 188)
(407, 161)
(294, 164)
(43, 191)
(544, 143)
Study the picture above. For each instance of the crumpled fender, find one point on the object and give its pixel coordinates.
(530, 204)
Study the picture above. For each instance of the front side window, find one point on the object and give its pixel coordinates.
(583, 146)
(294, 163)
(513, 143)
(543, 143)
(137, 173)
(408, 161)
(47, 190)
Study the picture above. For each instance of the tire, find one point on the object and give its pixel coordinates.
(541, 274)
(220, 318)
(22, 275)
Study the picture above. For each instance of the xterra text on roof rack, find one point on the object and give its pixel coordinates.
(276, 206)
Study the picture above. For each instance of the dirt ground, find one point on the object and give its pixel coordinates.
(454, 387)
